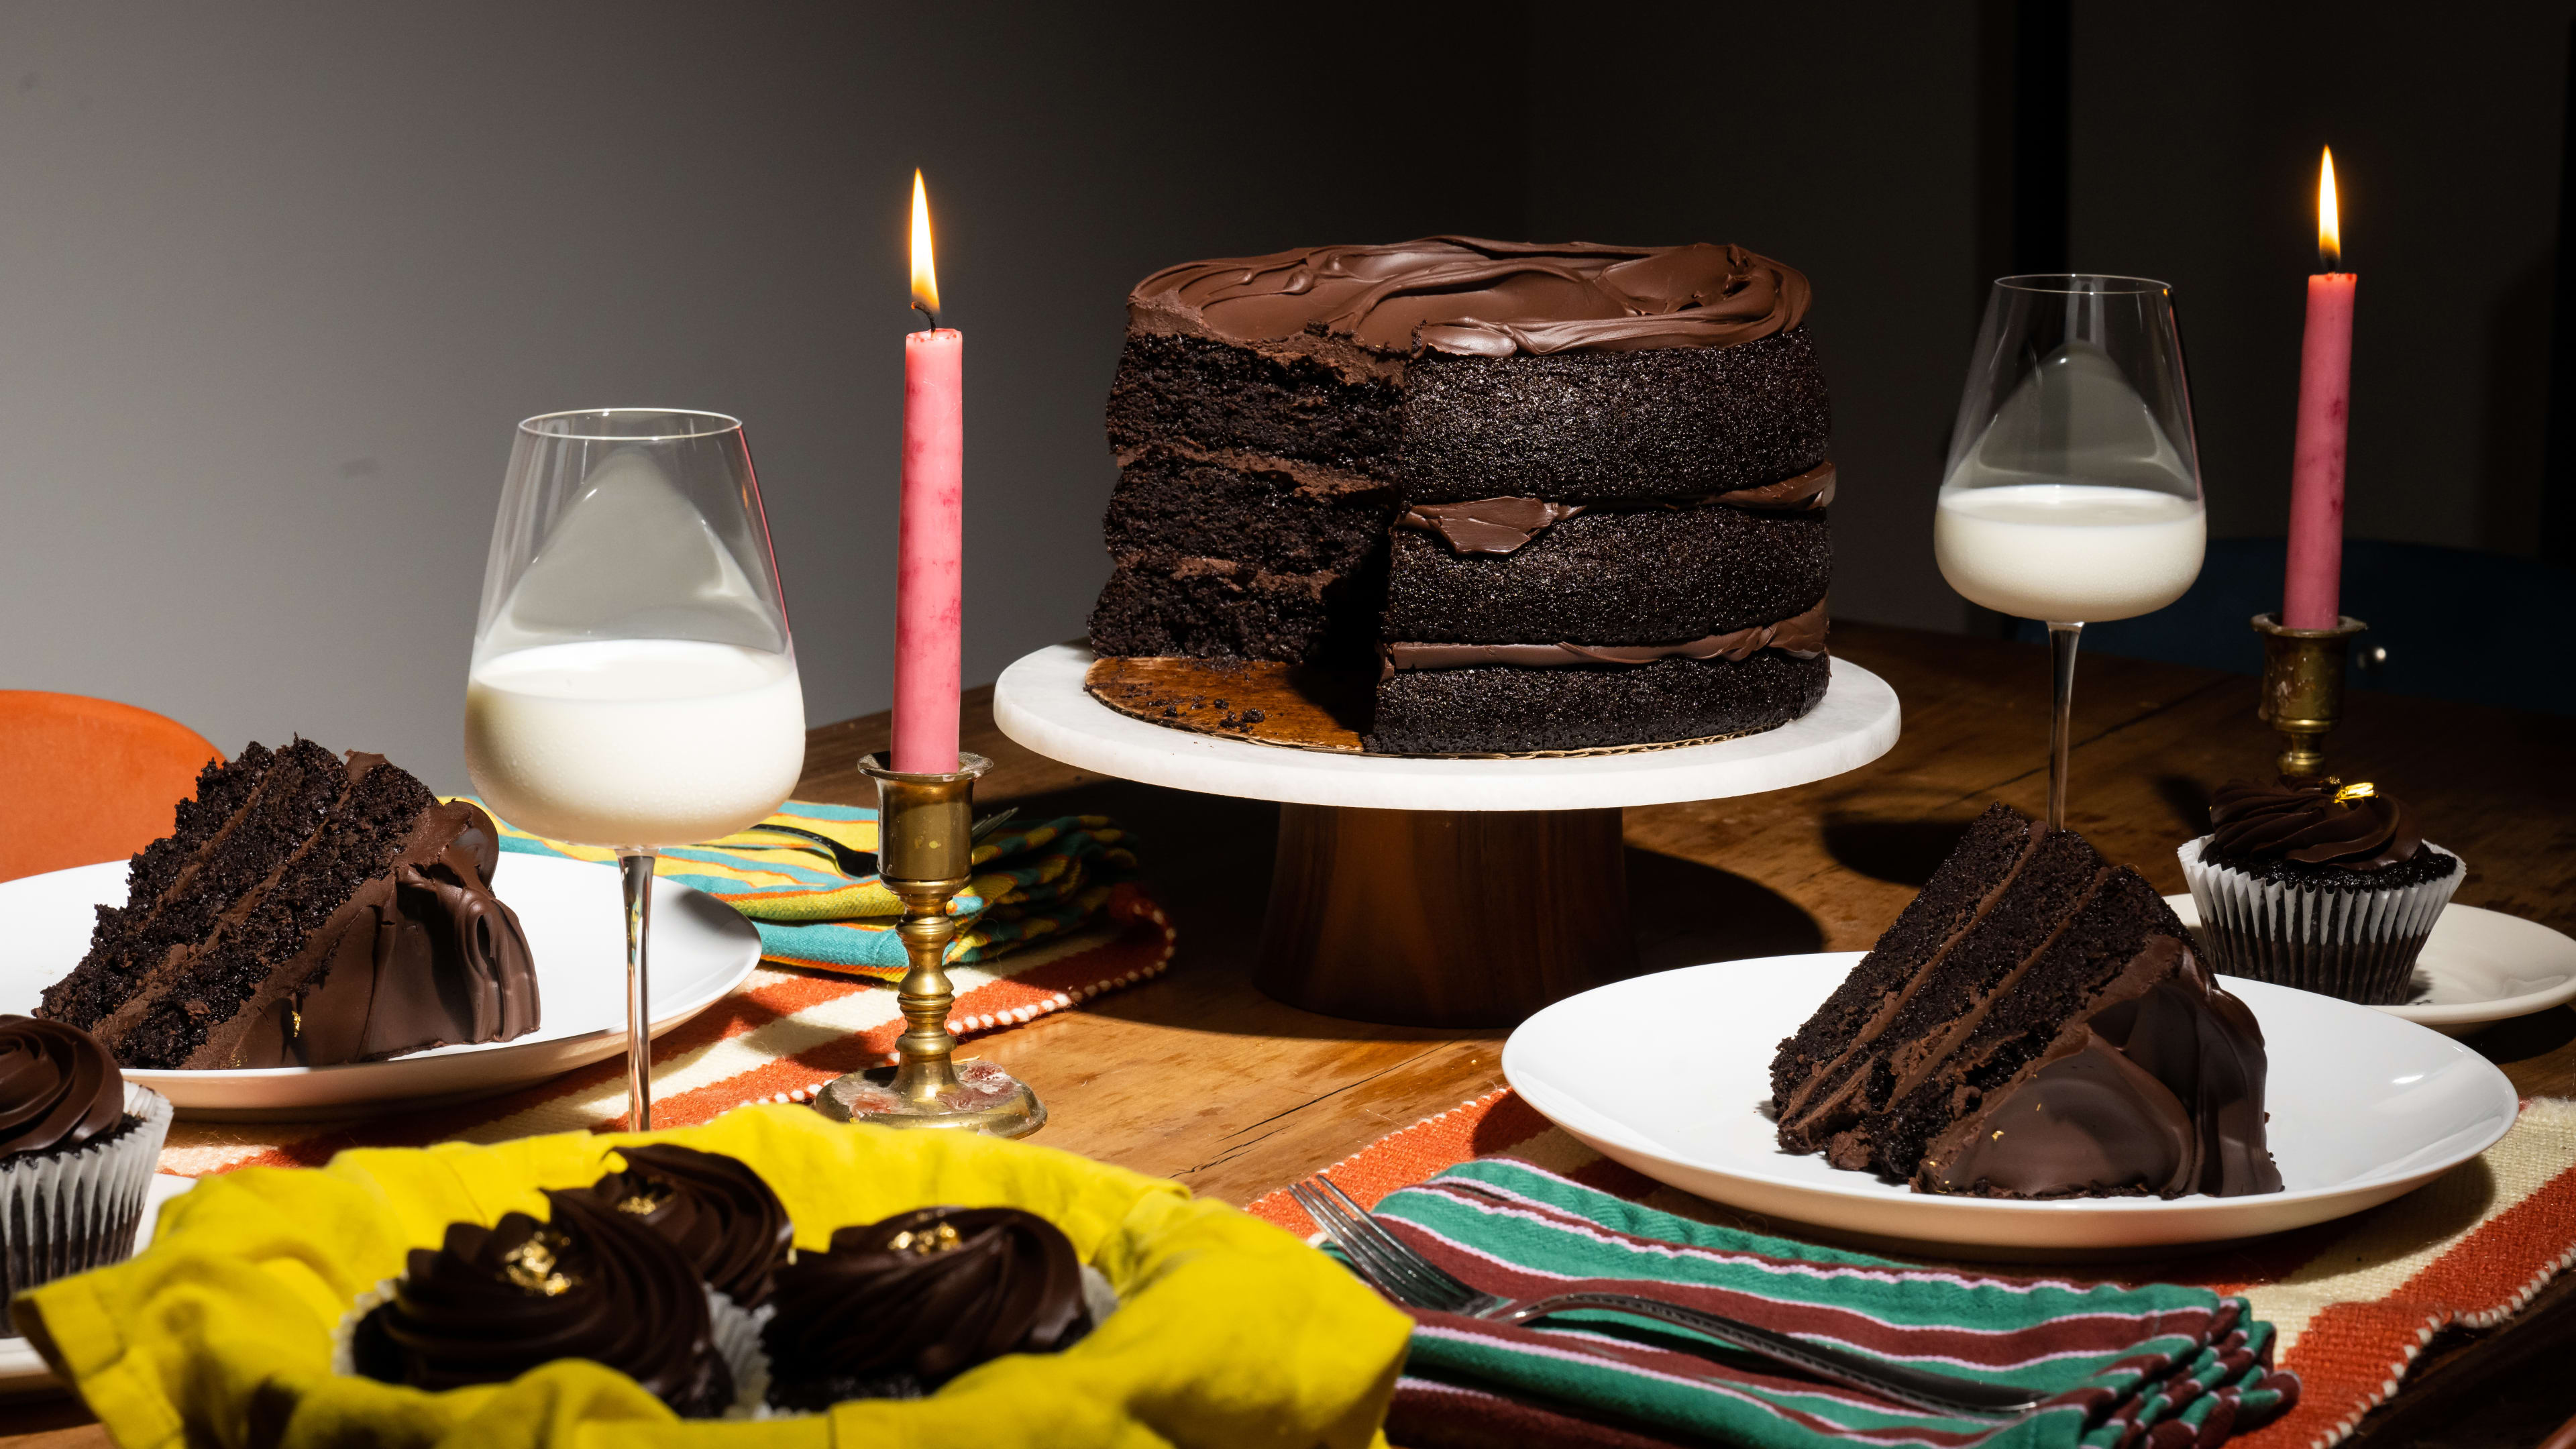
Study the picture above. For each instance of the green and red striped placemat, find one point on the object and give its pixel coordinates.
(2352, 1302)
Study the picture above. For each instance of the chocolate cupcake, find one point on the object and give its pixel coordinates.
(897, 1308)
(591, 1282)
(77, 1147)
(715, 1210)
(2323, 886)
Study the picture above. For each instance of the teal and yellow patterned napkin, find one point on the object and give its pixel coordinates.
(1043, 879)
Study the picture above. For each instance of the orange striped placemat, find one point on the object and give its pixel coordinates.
(779, 1036)
(2353, 1301)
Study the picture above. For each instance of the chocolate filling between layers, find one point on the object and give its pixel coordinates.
(1799, 637)
(1506, 525)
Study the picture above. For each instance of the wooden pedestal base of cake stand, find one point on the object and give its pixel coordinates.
(1428, 892)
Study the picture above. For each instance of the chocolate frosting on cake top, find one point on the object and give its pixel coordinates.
(2354, 827)
(911, 1302)
(715, 1210)
(58, 1087)
(1482, 298)
(591, 1283)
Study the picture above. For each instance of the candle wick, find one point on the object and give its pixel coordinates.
(930, 313)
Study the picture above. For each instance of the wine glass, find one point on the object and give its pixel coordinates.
(2072, 494)
(634, 684)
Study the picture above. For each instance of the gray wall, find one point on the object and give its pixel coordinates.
(277, 278)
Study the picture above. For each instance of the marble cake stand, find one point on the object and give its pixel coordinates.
(1440, 892)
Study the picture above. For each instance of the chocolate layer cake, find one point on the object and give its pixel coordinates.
(2035, 1024)
(1603, 466)
(307, 911)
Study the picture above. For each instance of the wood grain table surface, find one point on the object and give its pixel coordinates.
(1198, 1077)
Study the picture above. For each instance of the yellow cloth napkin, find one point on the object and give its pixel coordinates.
(1230, 1331)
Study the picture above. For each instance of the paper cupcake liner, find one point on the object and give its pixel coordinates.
(2360, 945)
(736, 1334)
(68, 1212)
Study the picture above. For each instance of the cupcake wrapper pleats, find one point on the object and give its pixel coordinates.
(67, 1212)
(2360, 945)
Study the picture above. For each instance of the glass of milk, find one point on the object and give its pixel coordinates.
(2072, 493)
(634, 683)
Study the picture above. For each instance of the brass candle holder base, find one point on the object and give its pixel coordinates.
(2303, 688)
(925, 850)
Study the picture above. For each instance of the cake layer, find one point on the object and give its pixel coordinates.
(1279, 516)
(1661, 423)
(1617, 577)
(1213, 608)
(1219, 395)
(1502, 709)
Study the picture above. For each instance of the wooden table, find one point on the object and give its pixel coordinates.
(1198, 1077)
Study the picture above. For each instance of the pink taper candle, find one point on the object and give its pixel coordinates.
(2311, 595)
(929, 538)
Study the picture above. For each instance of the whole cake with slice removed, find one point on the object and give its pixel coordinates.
(1530, 497)
(308, 910)
(2036, 1024)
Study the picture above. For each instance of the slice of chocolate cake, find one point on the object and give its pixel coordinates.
(307, 911)
(1605, 466)
(2035, 1024)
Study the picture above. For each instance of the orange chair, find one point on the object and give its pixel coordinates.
(85, 780)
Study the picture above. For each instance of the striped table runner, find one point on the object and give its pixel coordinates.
(2352, 1303)
(782, 1034)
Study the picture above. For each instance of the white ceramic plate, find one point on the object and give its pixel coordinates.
(22, 1370)
(2364, 1107)
(701, 949)
(2482, 966)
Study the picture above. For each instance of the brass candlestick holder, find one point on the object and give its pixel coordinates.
(925, 847)
(2303, 688)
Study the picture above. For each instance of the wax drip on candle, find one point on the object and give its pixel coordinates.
(925, 276)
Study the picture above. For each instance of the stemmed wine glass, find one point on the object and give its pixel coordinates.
(2072, 494)
(634, 684)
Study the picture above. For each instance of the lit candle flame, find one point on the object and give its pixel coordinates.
(2329, 218)
(925, 276)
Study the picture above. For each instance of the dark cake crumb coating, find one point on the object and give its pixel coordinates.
(1512, 711)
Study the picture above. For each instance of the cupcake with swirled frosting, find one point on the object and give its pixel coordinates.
(77, 1147)
(2320, 885)
(899, 1307)
(714, 1209)
(591, 1282)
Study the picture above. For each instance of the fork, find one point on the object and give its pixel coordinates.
(1410, 1279)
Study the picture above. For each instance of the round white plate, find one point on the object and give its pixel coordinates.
(1040, 702)
(2364, 1107)
(701, 949)
(22, 1370)
(2482, 966)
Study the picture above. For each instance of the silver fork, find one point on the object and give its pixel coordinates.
(1415, 1281)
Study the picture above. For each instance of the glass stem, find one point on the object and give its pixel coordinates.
(636, 871)
(2061, 715)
